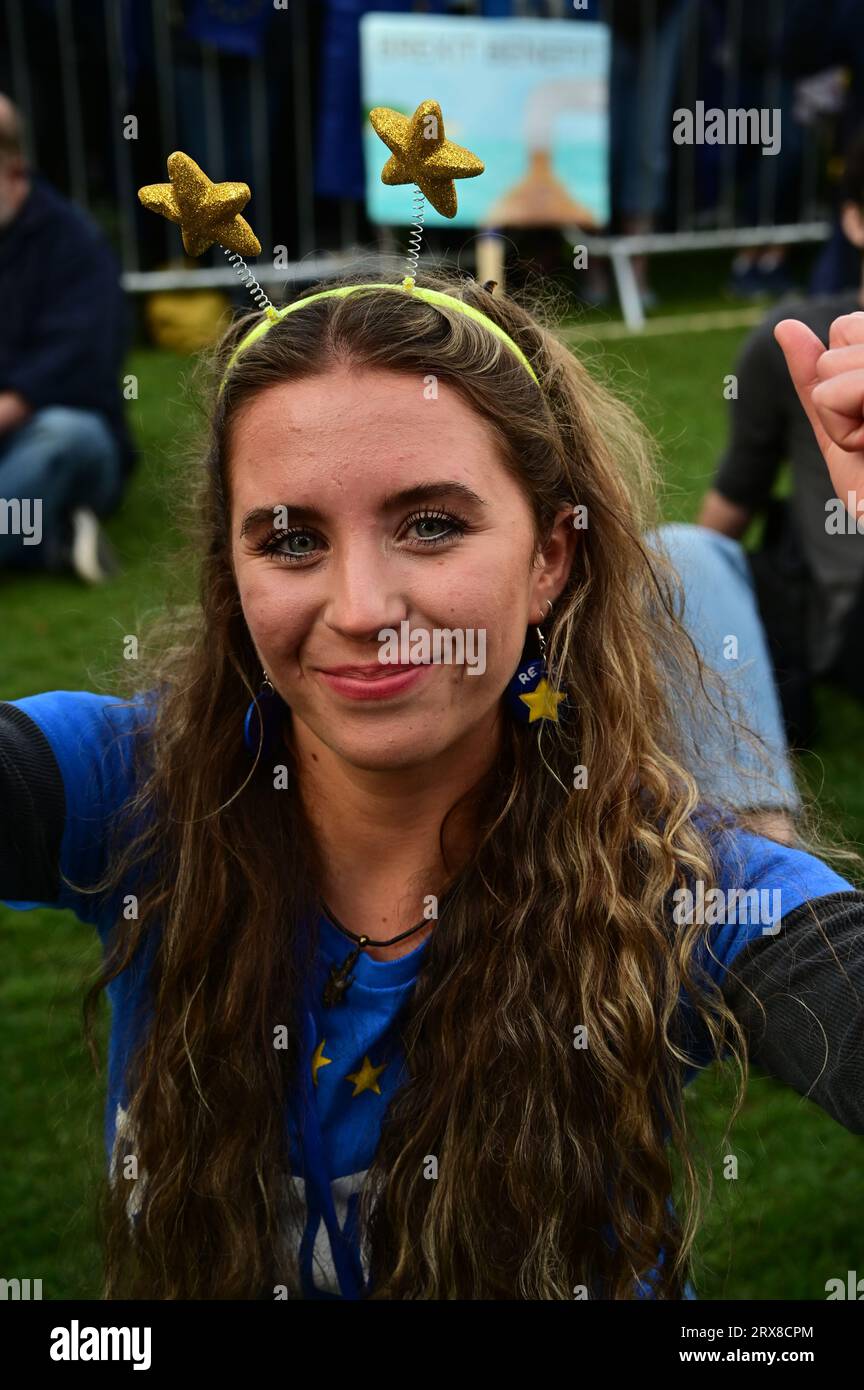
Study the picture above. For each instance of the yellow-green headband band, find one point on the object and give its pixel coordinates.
(431, 297)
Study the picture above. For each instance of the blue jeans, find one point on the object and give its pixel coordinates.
(721, 616)
(58, 460)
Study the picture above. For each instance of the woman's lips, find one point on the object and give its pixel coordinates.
(373, 682)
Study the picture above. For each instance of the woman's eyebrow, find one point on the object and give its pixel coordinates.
(422, 492)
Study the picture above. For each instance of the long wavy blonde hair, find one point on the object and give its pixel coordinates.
(555, 1163)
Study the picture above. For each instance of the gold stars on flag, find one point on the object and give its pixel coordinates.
(319, 1060)
(366, 1079)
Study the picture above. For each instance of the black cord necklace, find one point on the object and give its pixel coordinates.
(340, 978)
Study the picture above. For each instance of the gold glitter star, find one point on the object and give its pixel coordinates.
(319, 1060)
(366, 1079)
(422, 154)
(543, 702)
(206, 211)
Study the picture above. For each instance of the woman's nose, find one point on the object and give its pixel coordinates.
(363, 599)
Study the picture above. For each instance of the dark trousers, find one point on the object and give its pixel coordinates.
(786, 594)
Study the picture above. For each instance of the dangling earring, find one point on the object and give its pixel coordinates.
(529, 694)
(272, 708)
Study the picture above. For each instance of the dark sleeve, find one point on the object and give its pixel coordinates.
(757, 443)
(32, 809)
(70, 349)
(810, 980)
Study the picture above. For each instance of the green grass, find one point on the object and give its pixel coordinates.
(790, 1221)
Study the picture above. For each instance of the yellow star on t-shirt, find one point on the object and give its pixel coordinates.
(366, 1079)
(206, 211)
(422, 154)
(319, 1060)
(543, 702)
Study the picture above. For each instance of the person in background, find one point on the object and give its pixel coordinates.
(644, 74)
(646, 61)
(65, 453)
(809, 570)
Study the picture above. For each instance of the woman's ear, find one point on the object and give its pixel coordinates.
(556, 556)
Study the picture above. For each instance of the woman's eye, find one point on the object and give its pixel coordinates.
(435, 522)
(445, 528)
(431, 529)
(303, 541)
(288, 545)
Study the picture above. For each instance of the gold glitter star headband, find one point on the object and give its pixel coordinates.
(207, 213)
(421, 154)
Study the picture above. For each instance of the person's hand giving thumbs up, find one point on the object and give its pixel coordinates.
(830, 386)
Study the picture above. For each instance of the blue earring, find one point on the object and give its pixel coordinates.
(529, 694)
(267, 717)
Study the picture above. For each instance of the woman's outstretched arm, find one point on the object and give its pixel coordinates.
(32, 809)
(66, 770)
(799, 996)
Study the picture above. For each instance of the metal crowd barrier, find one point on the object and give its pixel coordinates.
(692, 228)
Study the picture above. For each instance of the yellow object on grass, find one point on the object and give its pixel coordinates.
(186, 320)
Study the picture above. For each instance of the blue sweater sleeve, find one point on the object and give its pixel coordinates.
(762, 882)
(80, 751)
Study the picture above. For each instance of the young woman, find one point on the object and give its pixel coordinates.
(404, 999)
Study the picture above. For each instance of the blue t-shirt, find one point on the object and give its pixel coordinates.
(353, 1065)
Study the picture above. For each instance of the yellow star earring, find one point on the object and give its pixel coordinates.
(529, 694)
(421, 154)
(543, 702)
(208, 214)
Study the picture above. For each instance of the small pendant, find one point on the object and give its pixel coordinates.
(340, 980)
